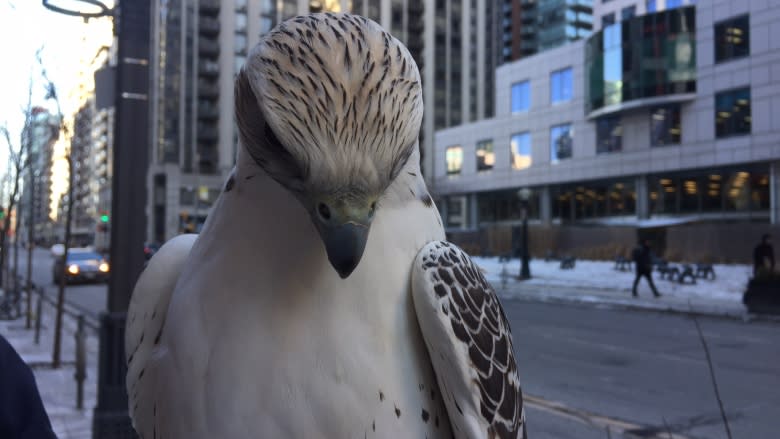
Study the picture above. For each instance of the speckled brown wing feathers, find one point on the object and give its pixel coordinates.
(470, 343)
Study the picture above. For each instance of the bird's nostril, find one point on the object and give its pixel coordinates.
(324, 211)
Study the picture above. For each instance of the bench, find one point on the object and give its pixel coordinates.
(568, 262)
(705, 271)
(622, 263)
(687, 273)
(669, 272)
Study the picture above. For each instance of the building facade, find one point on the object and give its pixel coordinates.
(199, 46)
(533, 26)
(663, 118)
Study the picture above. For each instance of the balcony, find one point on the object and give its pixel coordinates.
(208, 26)
(208, 68)
(622, 74)
(209, 7)
(208, 47)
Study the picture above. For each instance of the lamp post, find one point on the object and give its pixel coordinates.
(524, 194)
(128, 222)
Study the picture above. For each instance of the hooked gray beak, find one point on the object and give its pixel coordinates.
(344, 231)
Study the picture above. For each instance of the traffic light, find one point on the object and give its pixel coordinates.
(104, 217)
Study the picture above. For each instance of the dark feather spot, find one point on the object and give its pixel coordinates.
(427, 201)
(381, 396)
(397, 412)
(373, 425)
(460, 410)
(425, 415)
(157, 338)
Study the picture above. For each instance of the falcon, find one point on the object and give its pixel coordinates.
(320, 299)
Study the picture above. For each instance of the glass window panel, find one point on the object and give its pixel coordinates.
(454, 158)
(628, 13)
(664, 192)
(560, 142)
(240, 22)
(520, 149)
(521, 97)
(712, 192)
(690, 192)
(665, 126)
(651, 6)
(732, 38)
(609, 135)
(486, 157)
(759, 191)
(608, 19)
(732, 113)
(561, 85)
(737, 191)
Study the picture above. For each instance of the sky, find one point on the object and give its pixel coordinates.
(68, 43)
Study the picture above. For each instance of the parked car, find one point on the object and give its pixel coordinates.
(83, 265)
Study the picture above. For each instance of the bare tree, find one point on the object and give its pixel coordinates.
(51, 93)
(19, 161)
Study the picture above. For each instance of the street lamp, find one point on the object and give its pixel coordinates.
(524, 194)
(132, 20)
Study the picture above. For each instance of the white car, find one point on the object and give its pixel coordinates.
(57, 250)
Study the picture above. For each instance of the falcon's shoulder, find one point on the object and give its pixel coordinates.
(469, 342)
(145, 322)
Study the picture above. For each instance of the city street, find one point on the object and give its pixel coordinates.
(89, 299)
(586, 370)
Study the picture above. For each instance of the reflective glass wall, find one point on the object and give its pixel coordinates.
(646, 56)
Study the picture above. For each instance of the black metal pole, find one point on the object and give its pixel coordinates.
(525, 269)
(132, 21)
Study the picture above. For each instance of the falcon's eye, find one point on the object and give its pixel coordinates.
(324, 211)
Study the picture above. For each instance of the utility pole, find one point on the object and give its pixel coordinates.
(132, 21)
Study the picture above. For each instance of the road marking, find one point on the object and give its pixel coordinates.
(615, 426)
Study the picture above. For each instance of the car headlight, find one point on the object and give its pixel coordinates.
(73, 269)
(103, 267)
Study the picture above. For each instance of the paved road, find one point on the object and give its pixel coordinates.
(91, 299)
(644, 368)
(585, 370)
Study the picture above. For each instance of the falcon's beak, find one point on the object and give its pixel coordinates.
(344, 232)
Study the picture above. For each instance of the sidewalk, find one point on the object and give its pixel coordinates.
(58, 386)
(597, 283)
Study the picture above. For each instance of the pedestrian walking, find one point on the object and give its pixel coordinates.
(22, 415)
(761, 253)
(643, 261)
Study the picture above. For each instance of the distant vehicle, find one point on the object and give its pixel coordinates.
(150, 249)
(83, 265)
(57, 250)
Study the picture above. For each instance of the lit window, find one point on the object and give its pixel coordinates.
(665, 127)
(732, 39)
(561, 85)
(521, 97)
(560, 142)
(609, 135)
(454, 157)
(520, 148)
(732, 113)
(486, 158)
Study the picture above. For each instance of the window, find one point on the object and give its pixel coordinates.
(651, 7)
(561, 85)
(665, 127)
(628, 13)
(240, 22)
(560, 142)
(520, 148)
(609, 134)
(521, 97)
(732, 113)
(486, 158)
(454, 158)
(608, 19)
(732, 39)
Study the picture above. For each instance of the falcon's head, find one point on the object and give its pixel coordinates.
(330, 106)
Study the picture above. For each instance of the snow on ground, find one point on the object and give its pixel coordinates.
(729, 284)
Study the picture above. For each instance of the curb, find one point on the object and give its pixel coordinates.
(601, 301)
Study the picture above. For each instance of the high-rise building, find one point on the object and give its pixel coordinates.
(44, 131)
(533, 26)
(659, 125)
